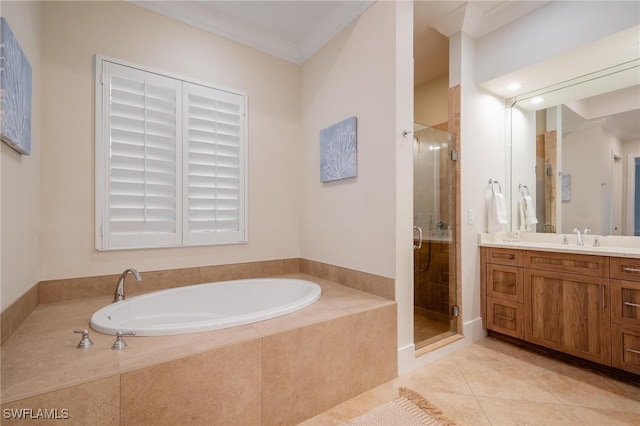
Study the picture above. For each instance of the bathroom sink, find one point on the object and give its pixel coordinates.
(609, 245)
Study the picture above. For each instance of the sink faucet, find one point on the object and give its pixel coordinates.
(577, 231)
(119, 294)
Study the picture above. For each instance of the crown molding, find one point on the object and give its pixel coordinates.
(478, 19)
(195, 14)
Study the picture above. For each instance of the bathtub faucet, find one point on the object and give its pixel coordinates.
(119, 294)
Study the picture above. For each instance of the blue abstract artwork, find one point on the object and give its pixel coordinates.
(338, 159)
(15, 92)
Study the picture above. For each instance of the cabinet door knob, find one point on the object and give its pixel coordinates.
(630, 269)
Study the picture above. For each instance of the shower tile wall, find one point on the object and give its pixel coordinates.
(431, 286)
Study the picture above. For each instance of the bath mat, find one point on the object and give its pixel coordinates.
(408, 410)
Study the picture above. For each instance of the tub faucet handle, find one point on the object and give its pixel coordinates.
(85, 341)
(120, 344)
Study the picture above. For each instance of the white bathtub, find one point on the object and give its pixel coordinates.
(205, 307)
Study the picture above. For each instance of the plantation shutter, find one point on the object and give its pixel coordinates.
(170, 160)
(214, 133)
(143, 158)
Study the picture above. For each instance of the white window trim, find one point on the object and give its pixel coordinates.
(102, 242)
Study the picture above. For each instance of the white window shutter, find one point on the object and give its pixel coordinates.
(142, 163)
(170, 160)
(214, 134)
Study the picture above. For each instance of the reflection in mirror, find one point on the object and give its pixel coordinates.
(574, 160)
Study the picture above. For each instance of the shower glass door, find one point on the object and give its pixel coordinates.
(434, 282)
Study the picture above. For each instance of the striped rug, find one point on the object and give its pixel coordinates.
(410, 409)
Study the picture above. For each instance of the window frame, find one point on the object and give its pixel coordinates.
(104, 240)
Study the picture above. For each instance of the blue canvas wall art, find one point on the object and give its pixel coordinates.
(338, 145)
(15, 92)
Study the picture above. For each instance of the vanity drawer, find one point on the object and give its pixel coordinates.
(567, 262)
(505, 282)
(625, 268)
(625, 348)
(504, 317)
(502, 256)
(625, 302)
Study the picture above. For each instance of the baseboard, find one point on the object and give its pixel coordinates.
(408, 361)
(17, 312)
(406, 358)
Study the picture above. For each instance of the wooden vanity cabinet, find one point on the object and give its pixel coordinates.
(583, 264)
(567, 304)
(625, 314)
(625, 268)
(568, 313)
(556, 300)
(503, 303)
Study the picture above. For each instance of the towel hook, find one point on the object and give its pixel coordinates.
(522, 188)
(491, 182)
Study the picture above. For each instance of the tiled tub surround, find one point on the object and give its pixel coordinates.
(53, 291)
(279, 371)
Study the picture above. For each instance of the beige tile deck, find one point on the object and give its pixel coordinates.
(41, 357)
(495, 383)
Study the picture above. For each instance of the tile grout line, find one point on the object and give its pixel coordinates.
(475, 397)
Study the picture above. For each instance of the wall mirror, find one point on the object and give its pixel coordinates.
(573, 151)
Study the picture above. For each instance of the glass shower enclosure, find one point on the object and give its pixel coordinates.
(434, 266)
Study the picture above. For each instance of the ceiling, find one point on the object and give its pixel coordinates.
(617, 111)
(290, 30)
(295, 30)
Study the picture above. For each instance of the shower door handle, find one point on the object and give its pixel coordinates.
(419, 246)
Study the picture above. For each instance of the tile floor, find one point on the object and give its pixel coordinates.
(495, 383)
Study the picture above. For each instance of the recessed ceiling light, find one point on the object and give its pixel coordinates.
(514, 86)
(537, 100)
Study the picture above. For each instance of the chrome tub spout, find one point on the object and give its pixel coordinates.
(119, 293)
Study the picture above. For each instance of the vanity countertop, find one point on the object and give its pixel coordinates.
(613, 246)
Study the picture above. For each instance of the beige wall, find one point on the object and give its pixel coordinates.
(350, 223)
(20, 179)
(431, 102)
(73, 32)
(482, 157)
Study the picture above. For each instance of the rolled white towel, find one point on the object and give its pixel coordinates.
(496, 213)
